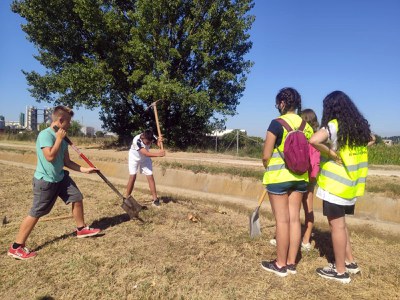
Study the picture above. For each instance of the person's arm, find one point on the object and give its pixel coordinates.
(147, 153)
(269, 143)
(74, 166)
(372, 141)
(318, 141)
(50, 153)
(159, 141)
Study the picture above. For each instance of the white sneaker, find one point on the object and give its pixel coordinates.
(273, 242)
(306, 247)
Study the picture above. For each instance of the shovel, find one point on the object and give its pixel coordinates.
(154, 106)
(130, 205)
(255, 218)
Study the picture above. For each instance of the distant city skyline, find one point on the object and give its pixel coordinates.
(314, 46)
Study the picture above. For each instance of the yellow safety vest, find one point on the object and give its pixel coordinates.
(276, 172)
(348, 180)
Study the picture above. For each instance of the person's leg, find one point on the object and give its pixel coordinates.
(339, 241)
(308, 216)
(44, 197)
(349, 253)
(152, 186)
(77, 213)
(18, 250)
(294, 200)
(25, 229)
(280, 207)
(70, 193)
(133, 167)
(146, 167)
(130, 185)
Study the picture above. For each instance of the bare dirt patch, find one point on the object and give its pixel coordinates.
(170, 256)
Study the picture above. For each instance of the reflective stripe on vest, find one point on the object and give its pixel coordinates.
(276, 171)
(348, 180)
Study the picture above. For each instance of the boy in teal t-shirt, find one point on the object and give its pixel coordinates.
(49, 171)
(51, 181)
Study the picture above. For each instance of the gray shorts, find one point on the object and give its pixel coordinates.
(45, 194)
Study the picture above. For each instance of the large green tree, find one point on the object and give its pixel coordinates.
(122, 55)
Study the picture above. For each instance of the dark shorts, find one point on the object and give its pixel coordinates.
(286, 187)
(45, 194)
(335, 210)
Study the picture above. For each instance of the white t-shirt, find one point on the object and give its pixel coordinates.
(323, 194)
(138, 144)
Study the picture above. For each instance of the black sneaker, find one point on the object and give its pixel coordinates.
(271, 266)
(352, 268)
(291, 269)
(331, 273)
(156, 202)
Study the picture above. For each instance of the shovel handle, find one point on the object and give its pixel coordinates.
(261, 199)
(158, 124)
(91, 164)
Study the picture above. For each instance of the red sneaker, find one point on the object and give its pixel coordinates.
(87, 231)
(21, 252)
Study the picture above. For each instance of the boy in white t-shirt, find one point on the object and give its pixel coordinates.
(140, 159)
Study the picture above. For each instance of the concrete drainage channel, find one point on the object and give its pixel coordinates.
(231, 189)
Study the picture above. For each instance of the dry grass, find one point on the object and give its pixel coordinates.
(388, 186)
(171, 257)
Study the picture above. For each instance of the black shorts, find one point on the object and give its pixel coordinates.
(335, 210)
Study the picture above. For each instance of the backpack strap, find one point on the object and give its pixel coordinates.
(287, 126)
(303, 125)
(284, 124)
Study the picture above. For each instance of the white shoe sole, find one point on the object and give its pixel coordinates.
(342, 280)
(19, 257)
(87, 235)
(353, 271)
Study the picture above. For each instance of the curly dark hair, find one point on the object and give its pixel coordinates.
(310, 117)
(354, 129)
(291, 98)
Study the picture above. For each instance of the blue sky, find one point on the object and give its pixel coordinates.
(314, 46)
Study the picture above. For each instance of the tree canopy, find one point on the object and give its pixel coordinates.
(122, 55)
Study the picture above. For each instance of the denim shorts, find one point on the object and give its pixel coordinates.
(45, 194)
(282, 188)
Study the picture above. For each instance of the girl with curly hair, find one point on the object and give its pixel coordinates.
(342, 142)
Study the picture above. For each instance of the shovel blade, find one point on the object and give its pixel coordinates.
(255, 229)
(131, 207)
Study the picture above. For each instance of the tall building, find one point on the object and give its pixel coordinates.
(31, 121)
(47, 115)
(22, 119)
(2, 123)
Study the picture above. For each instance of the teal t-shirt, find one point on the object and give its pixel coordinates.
(49, 171)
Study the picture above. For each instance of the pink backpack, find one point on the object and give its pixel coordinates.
(295, 150)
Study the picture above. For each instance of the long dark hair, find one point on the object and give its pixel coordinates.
(353, 127)
(291, 97)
